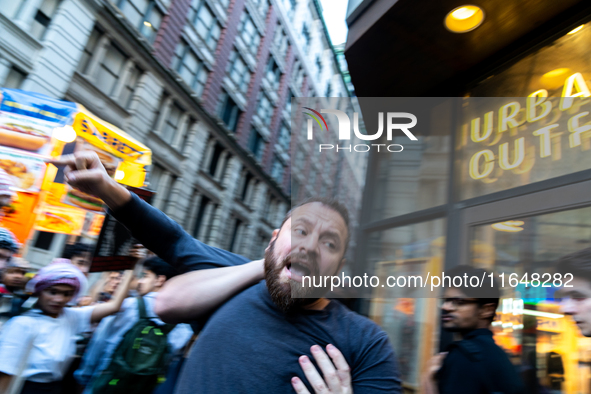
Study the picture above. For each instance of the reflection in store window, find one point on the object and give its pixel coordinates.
(529, 324)
(517, 129)
(409, 319)
(413, 181)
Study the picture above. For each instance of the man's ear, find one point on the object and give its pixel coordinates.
(487, 311)
(160, 280)
(273, 238)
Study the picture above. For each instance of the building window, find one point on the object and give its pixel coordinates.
(250, 34)
(189, 67)
(318, 65)
(110, 70)
(284, 137)
(215, 159)
(239, 72)
(129, 86)
(262, 6)
(43, 17)
(307, 38)
(256, 144)
(265, 109)
(273, 73)
(200, 216)
(277, 170)
(234, 240)
(246, 187)
(155, 175)
(114, 75)
(280, 41)
(145, 15)
(298, 76)
(288, 103)
(172, 123)
(89, 50)
(230, 112)
(205, 22)
(14, 79)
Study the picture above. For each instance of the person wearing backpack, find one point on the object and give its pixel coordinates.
(473, 363)
(130, 351)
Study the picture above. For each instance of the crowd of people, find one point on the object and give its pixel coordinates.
(259, 329)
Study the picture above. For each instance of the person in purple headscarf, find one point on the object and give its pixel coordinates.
(39, 345)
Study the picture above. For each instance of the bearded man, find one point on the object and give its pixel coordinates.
(258, 337)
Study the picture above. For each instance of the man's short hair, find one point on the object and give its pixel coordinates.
(488, 293)
(329, 203)
(76, 249)
(577, 263)
(160, 267)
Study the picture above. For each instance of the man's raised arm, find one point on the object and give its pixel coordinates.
(188, 296)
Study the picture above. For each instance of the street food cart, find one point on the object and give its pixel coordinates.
(35, 128)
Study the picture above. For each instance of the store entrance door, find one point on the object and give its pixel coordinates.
(521, 237)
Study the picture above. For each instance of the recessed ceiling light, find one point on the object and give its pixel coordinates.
(577, 29)
(464, 19)
(555, 78)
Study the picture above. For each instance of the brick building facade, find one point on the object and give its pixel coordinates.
(206, 84)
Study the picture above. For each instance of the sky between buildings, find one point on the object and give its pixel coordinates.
(335, 12)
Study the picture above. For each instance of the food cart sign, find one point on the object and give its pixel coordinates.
(61, 220)
(25, 169)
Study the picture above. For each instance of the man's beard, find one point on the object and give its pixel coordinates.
(292, 295)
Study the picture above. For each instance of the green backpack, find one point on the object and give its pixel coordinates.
(139, 362)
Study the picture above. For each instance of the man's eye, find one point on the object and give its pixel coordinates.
(331, 245)
(300, 231)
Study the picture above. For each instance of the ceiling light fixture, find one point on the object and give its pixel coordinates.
(575, 30)
(464, 19)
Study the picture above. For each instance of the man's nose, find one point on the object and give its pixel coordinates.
(308, 245)
(567, 306)
(60, 298)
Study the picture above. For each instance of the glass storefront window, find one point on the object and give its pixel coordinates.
(546, 345)
(417, 177)
(413, 181)
(408, 317)
(529, 122)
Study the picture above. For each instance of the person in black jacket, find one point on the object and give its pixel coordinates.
(473, 363)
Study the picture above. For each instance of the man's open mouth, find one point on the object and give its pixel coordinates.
(297, 270)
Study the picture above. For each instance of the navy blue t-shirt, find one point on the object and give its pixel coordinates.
(248, 345)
